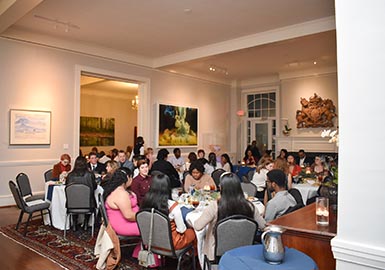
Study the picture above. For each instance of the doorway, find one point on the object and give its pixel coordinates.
(262, 132)
(140, 118)
(108, 113)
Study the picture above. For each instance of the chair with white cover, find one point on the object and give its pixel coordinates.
(24, 185)
(79, 200)
(28, 207)
(162, 243)
(242, 230)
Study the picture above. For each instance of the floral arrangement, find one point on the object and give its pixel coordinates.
(333, 135)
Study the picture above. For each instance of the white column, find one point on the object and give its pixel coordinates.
(360, 240)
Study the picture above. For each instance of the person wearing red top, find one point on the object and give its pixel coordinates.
(63, 166)
(294, 169)
(142, 182)
(249, 159)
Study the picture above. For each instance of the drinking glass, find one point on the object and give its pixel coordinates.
(322, 211)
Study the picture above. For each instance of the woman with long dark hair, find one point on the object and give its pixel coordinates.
(231, 202)
(121, 203)
(159, 197)
(213, 164)
(226, 163)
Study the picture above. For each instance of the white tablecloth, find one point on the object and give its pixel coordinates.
(58, 208)
(191, 218)
(307, 191)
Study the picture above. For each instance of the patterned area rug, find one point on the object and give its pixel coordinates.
(75, 252)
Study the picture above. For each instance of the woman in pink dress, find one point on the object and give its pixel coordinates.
(121, 204)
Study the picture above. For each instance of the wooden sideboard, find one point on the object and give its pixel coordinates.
(303, 234)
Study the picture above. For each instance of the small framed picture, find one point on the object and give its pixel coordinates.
(28, 127)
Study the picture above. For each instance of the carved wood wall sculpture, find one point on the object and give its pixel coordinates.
(316, 112)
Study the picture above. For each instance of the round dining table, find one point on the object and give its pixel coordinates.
(251, 258)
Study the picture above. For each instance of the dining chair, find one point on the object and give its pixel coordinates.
(250, 175)
(28, 207)
(155, 172)
(24, 185)
(216, 175)
(162, 243)
(297, 196)
(79, 200)
(128, 240)
(242, 230)
(249, 188)
(48, 175)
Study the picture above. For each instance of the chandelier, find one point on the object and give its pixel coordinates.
(135, 103)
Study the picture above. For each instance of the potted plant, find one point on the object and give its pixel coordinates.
(287, 130)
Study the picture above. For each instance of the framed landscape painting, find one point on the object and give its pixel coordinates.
(177, 126)
(28, 127)
(97, 131)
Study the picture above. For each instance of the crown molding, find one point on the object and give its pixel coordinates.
(288, 32)
(307, 73)
(76, 47)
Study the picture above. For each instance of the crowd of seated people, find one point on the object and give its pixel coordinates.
(125, 194)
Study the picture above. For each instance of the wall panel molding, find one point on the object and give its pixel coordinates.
(31, 162)
(309, 144)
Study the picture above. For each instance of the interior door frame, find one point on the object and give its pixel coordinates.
(261, 89)
(269, 123)
(144, 110)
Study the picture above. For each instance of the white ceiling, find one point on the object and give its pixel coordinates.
(247, 38)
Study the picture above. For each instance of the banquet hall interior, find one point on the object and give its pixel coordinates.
(122, 60)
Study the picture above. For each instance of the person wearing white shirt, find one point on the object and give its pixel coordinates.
(260, 175)
(178, 162)
(213, 164)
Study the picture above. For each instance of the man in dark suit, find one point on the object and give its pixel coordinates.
(94, 165)
(302, 159)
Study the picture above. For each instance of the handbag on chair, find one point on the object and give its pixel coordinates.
(146, 257)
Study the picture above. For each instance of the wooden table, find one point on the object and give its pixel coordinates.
(302, 233)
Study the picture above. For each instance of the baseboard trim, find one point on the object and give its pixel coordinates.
(358, 253)
(6, 200)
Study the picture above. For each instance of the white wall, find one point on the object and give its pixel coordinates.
(360, 241)
(39, 78)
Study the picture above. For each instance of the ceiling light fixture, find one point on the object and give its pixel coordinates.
(57, 24)
(135, 103)
(218, 69)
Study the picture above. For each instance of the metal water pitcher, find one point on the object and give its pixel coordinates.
(273, 249)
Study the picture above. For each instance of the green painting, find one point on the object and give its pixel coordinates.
(97, 131)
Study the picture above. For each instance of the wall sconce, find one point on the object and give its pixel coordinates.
(135, 103)
(241, 113)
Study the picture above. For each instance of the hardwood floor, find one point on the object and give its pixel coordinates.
(16, 256)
